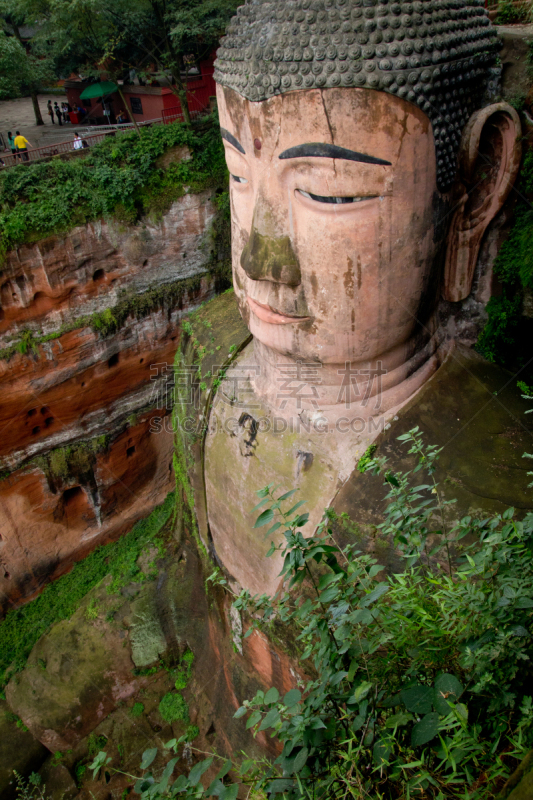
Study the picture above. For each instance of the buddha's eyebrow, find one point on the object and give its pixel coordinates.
(323, 150)
(229, 137)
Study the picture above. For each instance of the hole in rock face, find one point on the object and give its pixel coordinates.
(130, 451)
(72, 496)
(20, 281)
(36, 430)
(2, 315)
(82, 384)
(141, 361)
(48, 421)
(113, 361)
(45, 410)
(99, 275)
(185, 255)
(42, 302)
(145, 262)
(31, 412)
(6, 574)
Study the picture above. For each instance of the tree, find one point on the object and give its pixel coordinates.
(22, 71)
(95, 36)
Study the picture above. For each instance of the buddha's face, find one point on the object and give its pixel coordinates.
(335, 234)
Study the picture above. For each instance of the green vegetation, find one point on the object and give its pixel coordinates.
(95, 743)
(506, 337)
(366, 458)
(119, 177)
(173, 707)
(73, 460)
(22, 627)
(183, 673)
(137, 710)
(509, 14)
(419, 682)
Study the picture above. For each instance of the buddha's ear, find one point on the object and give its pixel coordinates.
(489, 158)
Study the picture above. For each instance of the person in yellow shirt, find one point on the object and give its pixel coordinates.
(22, 145)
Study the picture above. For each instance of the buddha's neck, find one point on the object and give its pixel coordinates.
(363, 389)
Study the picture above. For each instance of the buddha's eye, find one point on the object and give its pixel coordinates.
(238, 179)
(338, 200)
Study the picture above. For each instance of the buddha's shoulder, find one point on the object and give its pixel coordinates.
(475, 413)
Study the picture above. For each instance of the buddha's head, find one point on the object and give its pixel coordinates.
(365, 167)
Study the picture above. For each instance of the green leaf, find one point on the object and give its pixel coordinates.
(253, 719)
(180, 784)
(418, 699)
(447, 688)
(375, 594)
(147, 757)
(272, 696)
(240, 712)
(399, 719)
(325, 580)
(361, 691)
(259, 505)
(230, 792)
(374, 570)
(425, 730)
(273, 528)
(295, 508)
(198, 770)
(300, 760)
(287, 495)
(292, 698)
(329, 595)
(271, 720)
(264, 518)
(524, 602)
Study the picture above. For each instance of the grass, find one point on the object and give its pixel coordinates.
(23, 627)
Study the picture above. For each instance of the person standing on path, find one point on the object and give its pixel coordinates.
(22, 146)
(11, 143)
(50, 111)
(58, 113)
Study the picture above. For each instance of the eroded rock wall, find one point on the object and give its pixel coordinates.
(89, 325)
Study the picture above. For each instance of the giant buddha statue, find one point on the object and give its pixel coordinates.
(366, 162)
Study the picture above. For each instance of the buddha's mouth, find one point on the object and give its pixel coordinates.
(267, 314)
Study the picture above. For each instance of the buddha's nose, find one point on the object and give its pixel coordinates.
(267, 256)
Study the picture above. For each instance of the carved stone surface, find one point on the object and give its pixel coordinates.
(439, 55)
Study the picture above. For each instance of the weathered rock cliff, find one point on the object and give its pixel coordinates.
(89, 324)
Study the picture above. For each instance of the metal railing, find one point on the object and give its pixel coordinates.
(38, 153)
(46, 151)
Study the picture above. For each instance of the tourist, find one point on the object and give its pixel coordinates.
(50, 111)
(21, 143)
(64, 112)
(122, 118)
(11, 143)
(78, 144)
(58, 113)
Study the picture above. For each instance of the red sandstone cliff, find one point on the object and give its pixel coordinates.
(79, 459)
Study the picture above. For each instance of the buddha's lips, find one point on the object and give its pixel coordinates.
(267, 314)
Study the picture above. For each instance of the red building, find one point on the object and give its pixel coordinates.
(144, 102)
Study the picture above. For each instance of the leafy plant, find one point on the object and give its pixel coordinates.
(416, 682)
(31, 788)
(118, 175)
